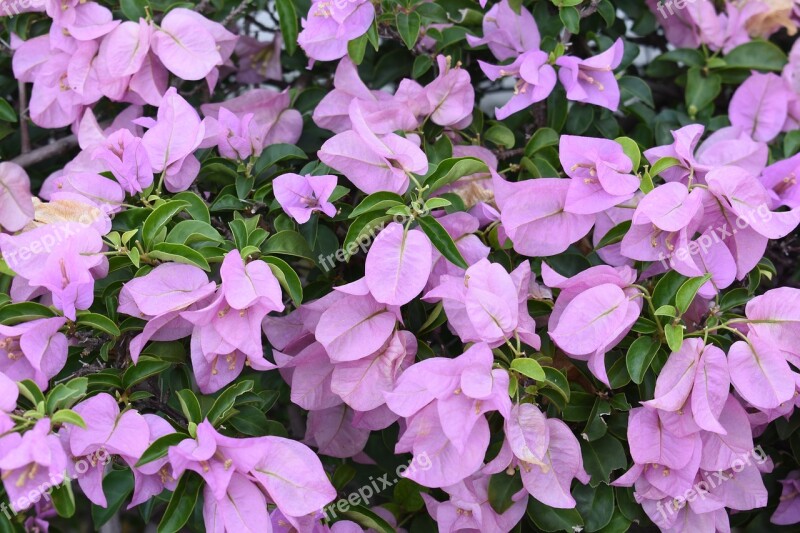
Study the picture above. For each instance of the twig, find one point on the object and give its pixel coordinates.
(23, 118)
(236, 12)
(46, 152)
(202, 6)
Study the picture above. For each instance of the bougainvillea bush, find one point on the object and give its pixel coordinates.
(399, 265)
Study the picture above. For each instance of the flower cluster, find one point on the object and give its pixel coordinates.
(592, 329)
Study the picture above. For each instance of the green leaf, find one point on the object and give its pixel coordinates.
(442, 240)
(277, 153)
(691, 57)
(557, 381)
(63, 500)
(160, 447)
(190, 406)
(7, 112)
(637, 88)
(65, 395)
(142, 370)
(674, 334)
(640, 356)
(542, 138)
(501, 136)
(631, 150)
(408, 27)
(501, 488)
(287, 17)
(667, 286)
(701, 90)
(596, 505)
(756, 55)
(601, 457)
(133, 9)
(378, 201)
(361, 233)
(225, 401)
(571, 19)
(422, 63)
(197, 208)
(356, 49)
(68, 416)
(529, 368)
(686, 293)
(23, 312)
(181, 504)
(368, 519)
(452, 169)
(179, 253)
(288, 243)
(31, 391)
(614, 235)
(667, 310)
(159, 218)
(287, 277)
(117, 485)
(663, 164)
(551, 519)
(98, 322)
(193, 231)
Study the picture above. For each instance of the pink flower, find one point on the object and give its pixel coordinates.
(373, 162)
(30, 461)
(108, 431)
(16, 205)
(171, 140)
(593, 312)
(600, 172)
(159, 297)
(330, 24)
(34, 350)
(468, 508)
(272, 123)
(592, 80)
(547, 453)
(534, 216)
(450, 96)
(127, 158)
(487, 304)
(227, 332)
(536, 79)
(507, 33)
(59, 258)
(300, 196)
(445, 401)
(398, 264)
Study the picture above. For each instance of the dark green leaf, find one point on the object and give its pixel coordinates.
(408, 25)
(181, 504)
(288, 22)
(159, 218)
(501, 488)
(378, 201)
(640, 355)
(686, 293)
(160, 447)
(442, 240)
(117, 485)
(98, 322)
